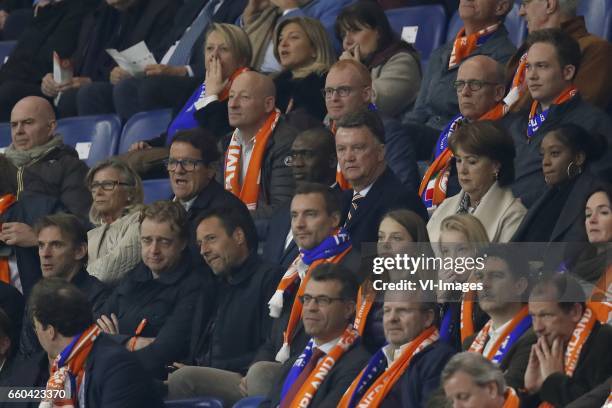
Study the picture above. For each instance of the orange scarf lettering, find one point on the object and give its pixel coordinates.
(379, 389)
(572, 352)
(364, 305)
(249, 191)
(465, 45)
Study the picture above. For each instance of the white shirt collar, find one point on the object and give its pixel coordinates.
(326, 348)
(365, 191)
(389, 349)
(186, 204)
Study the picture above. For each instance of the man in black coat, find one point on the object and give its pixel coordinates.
(329, 306)
(231, 319)
(313, 160)
(572, 355)
(376, 190)
(555, 102)
(62, 247)
(111, 376)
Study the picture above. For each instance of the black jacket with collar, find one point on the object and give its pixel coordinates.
(387, 193)
(529, 180)
(167, 303)
(232, 321)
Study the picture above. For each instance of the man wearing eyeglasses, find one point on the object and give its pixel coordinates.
(479, 87)
(192, 165)
(334, 355)
(348, 88)
(44, 174)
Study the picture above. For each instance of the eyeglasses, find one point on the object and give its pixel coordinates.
(473, 84)
(319, 300)
(342, 91)
(186, 164)
(107, 185)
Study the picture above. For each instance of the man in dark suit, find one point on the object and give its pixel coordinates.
(334, 354)
(556, 102)
(503, 295)
(572, 354)
(313, 160)
(406, 371)
(64, 325)
(360, 146)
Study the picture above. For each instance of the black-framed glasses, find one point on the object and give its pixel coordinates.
(473, 84)
(320, 300)
(107, 185)
(186, 164)
(342, 91)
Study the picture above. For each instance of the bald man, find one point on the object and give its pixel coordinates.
(479, 87)
(256, 165)
(40, 168)
(352, 79)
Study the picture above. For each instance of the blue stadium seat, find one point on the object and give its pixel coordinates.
(431, 21)
(596, 14)
(250, 402)
(6, 47)
(157, 189)
(516, 26)
(609, 25)
(94, 137)
(5, 136)
(204, 402)
(144, 126)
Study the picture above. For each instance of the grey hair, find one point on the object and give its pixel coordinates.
(476, 366)
(127, 175)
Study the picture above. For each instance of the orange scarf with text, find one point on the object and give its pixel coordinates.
(581, 333)
(307, 391)
(68, 369)
(249, 191)
(478, 345)
(365, 301)
(467, 315)
(288, 279)
(465, 45)
(377, 392)
(599, 297)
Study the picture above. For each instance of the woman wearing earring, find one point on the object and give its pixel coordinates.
(114, 245)
(484, 155)
(558, 216)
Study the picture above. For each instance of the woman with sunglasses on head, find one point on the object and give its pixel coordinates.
(114, 244)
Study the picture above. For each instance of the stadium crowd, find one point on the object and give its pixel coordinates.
(307, 138)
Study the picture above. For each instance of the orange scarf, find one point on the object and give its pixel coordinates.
(5, 275)
(376, 393)
(574, 347)
(340, 179)
(600, 295)
(464, 45)
(478, 345)
(467, 316)
(224, 95)
(288, 279)
(249, 191)
(512, 400)
(5, 202)
(536, 120)
(69, 364)
(608, 403)
(364, 305)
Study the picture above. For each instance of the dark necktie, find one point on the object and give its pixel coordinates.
(353, 209)
(312, 363)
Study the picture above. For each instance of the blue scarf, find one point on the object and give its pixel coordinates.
(447, 325)
(446, 134)
(297, 368)
(331, 246)
(376, 366)
(516, 334)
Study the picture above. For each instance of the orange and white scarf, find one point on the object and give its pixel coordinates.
(248, 192)
(465, 45)
(608, 403)
(5, 202)
(307, 391)
(581, 333)
(68, 370)
(519, 324)
(276, 302)
(511, 399)
(372, 385)
(365, 301)
(599, 301)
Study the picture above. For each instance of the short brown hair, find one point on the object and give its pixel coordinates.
(568, 50)
(71, 228)
(170, 212)
(487, 139)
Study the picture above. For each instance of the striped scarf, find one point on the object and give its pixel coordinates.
(248, 192)
(68, 369)
(465, 45)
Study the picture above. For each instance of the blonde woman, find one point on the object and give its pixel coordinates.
(114, 245)
(303, 48)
